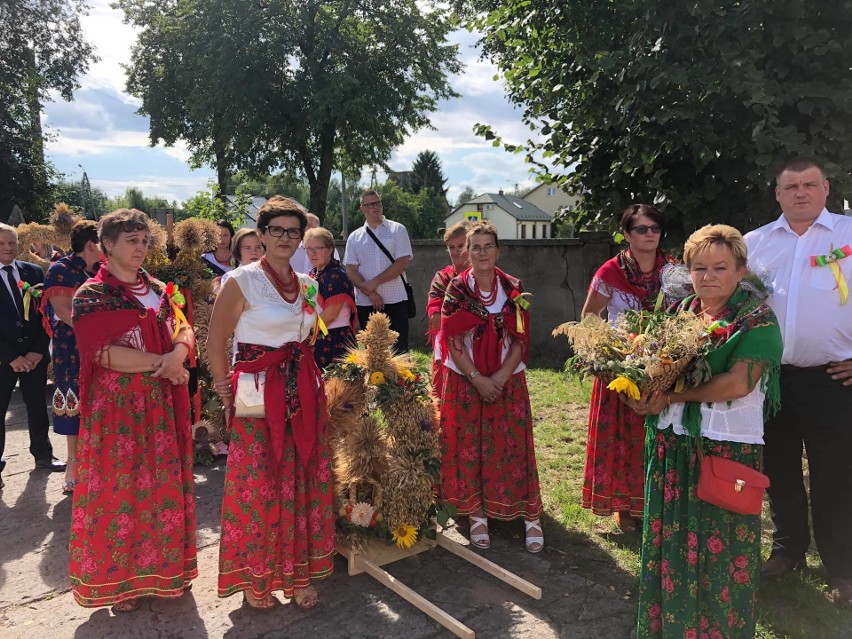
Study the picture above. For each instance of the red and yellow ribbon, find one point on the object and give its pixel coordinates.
(831, 260)
(177, 302)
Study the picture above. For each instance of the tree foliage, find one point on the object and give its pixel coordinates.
(41, 50)
(465, 196)
(303, 86)
(687, 106)
(426, 173)
(422, 213)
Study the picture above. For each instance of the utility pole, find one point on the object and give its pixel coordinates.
(344, 221)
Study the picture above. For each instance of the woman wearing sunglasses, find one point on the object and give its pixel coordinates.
(613, 481)
(277, 513)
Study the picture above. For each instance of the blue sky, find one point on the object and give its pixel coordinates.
(101, 131)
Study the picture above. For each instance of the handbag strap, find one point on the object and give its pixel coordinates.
(384, 250)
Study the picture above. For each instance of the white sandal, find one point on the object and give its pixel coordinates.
(480, 540)
(534, 543)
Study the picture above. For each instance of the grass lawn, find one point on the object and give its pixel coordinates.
(796, 607)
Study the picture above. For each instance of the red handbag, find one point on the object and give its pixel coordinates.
(729, 484)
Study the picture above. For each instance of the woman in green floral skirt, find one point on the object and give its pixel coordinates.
(700, 563)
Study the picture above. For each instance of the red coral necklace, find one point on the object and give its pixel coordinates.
(288, 291)
(490, 297)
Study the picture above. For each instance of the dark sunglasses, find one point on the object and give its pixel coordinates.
(642, 229)
(279, 231)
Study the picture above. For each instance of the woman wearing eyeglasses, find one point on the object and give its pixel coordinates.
(277, 512)
(614, 477)
(488, 467)
(338, 297)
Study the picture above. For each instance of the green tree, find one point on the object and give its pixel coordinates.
(42, 50)
(465, 196)
(689, 107)
(422, 213)
(301, 86)
(71, 193)
(209, 205)
(426, 173)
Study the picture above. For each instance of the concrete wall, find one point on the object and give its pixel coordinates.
(556, 272)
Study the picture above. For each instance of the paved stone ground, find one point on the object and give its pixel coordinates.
(36, 602)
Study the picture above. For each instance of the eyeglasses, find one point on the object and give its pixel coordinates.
(313, 251)
(642, 229)
(279, 231)
(485, 248)
(369, 205)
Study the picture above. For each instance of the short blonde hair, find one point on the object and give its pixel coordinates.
(321, 234)
(459, 228)
(485, 228)
(8, 228)
(716, 235)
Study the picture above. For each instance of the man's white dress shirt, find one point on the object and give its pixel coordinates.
(816, 328)
(363, 252)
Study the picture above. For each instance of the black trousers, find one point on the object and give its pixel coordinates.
(398, 315)
(815, 411)
(33, 386)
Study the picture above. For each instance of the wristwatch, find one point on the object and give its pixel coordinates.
(472, 375)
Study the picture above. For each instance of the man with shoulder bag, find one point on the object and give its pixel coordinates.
(376, 257)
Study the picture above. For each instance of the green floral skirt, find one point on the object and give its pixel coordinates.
(700, 563)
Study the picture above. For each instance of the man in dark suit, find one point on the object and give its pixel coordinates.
(23, 351)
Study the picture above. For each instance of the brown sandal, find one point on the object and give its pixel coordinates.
(128, 605)
(306, 598)
(264, 604)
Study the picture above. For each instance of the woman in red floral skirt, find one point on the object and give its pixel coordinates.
(133, 519)
(277, 511)
(488, 466)
(613, 482)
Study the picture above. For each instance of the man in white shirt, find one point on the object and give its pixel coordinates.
(805, 255)
(378, 279)
(300, 261)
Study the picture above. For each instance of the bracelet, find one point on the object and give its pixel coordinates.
(472, 375)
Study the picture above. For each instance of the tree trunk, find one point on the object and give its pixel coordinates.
(222, 172)
(320, 179)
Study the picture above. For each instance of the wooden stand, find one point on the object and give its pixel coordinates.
(379, 554)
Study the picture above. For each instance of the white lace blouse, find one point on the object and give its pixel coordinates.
(740, 420)
(269, 320)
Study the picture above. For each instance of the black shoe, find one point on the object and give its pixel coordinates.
(778, 566)
(51, 463)
(2, 465)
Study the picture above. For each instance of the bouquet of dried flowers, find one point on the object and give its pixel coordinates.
(640, 350)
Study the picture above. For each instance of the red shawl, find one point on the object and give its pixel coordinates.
(622, 273)
(437, 290)
(103, 312)
(462, 311)
(303, 402)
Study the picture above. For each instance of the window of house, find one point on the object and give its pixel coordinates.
(544, 231)
(551, 191)
(523, 231)
(480, 207)
(534, 228)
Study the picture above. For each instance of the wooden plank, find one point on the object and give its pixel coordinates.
(491, 568)
(380, 553)
(421, 603)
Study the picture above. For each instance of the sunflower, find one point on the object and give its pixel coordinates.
(377, 378)
(405, 535)
(622, 384)
(351, 359)
(407, 375)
